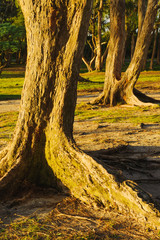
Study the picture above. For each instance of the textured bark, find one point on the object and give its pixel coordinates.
(132, 73)
(115, 52)
(117, 89)
(43, 151)
(141, 14)
(55, 36)
(98, 44)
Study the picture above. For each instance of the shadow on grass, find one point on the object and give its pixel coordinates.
(140, 164)
(12, 75)
(9, 97)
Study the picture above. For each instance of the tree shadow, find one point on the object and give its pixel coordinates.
(9, 97)
(140, 164)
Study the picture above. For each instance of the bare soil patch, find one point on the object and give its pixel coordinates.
(133, 150)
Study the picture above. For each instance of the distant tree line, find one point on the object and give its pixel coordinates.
(12, 34)
(96, 47)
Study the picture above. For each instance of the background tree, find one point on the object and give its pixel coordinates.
(98, 36)
(12, 34)
(117, 89)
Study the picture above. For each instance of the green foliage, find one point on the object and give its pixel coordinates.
(12, 38)
(12, 31)
(8, 10)
(131, 15)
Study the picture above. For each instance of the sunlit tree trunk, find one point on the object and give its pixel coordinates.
(56, 34)
(98, 44)
(141, 14)
(115, 52)
(43, 151)
(117, 89)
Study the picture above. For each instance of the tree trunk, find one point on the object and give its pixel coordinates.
(98, 44)
(141, 14)
(132, 45)
(131, 75)
(88, 64)
(115, 52)
(121, 90)
(158, 50)
(55, 36)
(154, 49)
(43, 151)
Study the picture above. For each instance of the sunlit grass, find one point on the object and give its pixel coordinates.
(11, 84)
(7, 124)
(116, 114)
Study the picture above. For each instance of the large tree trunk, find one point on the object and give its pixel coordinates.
(55, 36)
(98, 44)
(43, 151)
(121, 90)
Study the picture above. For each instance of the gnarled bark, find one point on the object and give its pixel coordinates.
(117, 89)
(43, 151)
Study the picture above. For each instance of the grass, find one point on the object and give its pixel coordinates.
(117, 114)
(11, 84)
(7, 124)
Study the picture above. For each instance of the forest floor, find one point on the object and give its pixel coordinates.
(131, 148)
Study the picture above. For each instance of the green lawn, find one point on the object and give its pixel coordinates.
(11, 83)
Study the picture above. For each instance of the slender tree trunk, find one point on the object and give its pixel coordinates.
(141, 14)
(154, 49)
(98, 45)
(142, 5)
(158, 50)
(132, 45)
(115, 52)
(103, 58)
(88, 64)
(43, 151)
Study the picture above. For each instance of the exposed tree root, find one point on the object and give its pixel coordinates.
(98, 100)
(87, 180)
(136, 98)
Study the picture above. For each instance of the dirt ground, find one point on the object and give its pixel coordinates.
(133, 150)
